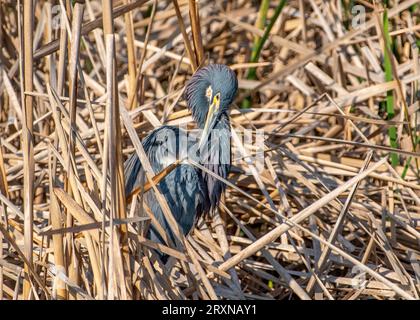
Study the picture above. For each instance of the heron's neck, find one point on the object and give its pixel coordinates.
(217, 159)
(224, 121)
(217, 148)
(222, 126)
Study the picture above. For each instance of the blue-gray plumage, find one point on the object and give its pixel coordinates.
(190, 192)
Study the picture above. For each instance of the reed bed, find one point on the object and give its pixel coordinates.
(329, 208)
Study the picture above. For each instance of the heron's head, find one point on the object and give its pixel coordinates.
(209, 93)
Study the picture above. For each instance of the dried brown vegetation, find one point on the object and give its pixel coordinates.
(333, 214)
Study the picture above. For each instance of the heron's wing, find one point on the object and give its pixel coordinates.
(183, 188)
(132, 168)
(161, 147)
(185, 193)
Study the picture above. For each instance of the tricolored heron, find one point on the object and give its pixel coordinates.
(189, 191)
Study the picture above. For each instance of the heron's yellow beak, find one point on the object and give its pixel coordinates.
(210, 120)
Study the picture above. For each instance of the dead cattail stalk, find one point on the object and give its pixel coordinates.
(196, 31)
(138, 80)
(58, 238)
(131, 54)
(185, 35)
(114, 135)
(27, 135)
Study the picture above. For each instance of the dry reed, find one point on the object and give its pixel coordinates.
(334, 212)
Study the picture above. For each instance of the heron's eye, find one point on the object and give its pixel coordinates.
(209, 93)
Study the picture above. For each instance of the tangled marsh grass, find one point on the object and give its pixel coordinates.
(330, 211)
